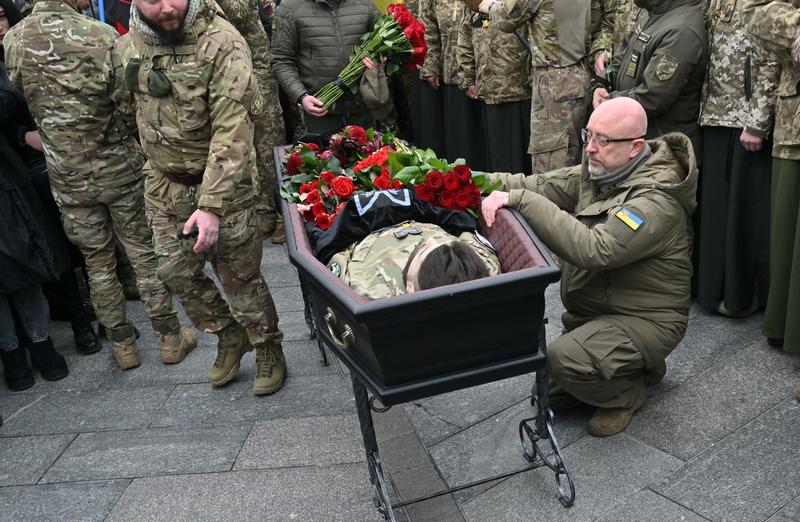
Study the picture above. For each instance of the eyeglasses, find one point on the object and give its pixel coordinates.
(601, 141)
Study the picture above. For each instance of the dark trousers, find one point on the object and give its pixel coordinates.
(507, 129)
(463, 128)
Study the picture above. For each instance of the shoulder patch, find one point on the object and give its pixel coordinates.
(630, 218)
(336, 269)
(665, 67)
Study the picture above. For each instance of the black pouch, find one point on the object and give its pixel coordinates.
(141, 78)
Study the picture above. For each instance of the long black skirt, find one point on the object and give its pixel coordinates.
(463, 126)
(427, 116)
(507, 128)
(733, 240)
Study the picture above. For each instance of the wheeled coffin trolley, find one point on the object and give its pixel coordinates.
(435, 341)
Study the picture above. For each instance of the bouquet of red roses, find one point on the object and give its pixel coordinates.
(397, 36)
(322, 181)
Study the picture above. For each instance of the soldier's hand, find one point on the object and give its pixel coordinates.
(371, 64)
(34, 140)
(484, 6)
(599, 96)
(313, 106)
(207, 224)
(491, 204)
(472, 92)
(433, 81)
(750, 142)
(600, 64)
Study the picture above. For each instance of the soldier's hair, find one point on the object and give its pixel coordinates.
(449, 264)
(12, 12)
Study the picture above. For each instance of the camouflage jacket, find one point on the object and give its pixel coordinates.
(732, 95)
(773, 26)
(559, 32)
(199, 128)
(62, 62)
(374, 266)
(617, 18)
(442, 19)
(494, 61)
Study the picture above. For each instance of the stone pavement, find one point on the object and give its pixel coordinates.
(719, 439)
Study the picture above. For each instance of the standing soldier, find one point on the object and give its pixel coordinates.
(617, 19)
(776, 26)
(62, 62)
(196, 98)
(559, 36)
(269, 132)
(495, 67)
(736, 118)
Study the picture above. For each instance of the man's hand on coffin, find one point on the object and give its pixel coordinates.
(207, 224)
(491, 204)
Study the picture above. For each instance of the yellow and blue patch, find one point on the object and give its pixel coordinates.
(630, 218)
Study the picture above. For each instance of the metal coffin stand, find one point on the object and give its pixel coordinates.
(440, 340)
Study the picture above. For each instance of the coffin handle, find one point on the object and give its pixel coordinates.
(347, 337)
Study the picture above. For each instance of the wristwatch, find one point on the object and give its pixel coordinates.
(300, 99)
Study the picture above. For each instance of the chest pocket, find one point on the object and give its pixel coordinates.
(189, 100)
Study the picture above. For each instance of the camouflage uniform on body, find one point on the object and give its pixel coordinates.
(195, 102)
(374, 266)
(442, 19)
(617, 19)
(62, 62)
(774, 26)
(559, 34)
(269, 129)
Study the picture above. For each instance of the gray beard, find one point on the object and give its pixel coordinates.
(597, 171)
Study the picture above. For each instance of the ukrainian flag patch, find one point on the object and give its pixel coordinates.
(630, 218)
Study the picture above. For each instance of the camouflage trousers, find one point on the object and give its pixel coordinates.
(269, 133)
(236, 259)
(559, 108)
(91, 219)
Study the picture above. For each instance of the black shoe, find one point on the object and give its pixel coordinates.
(86, 340)
(16, 369)
(777, 343)
(48, 361)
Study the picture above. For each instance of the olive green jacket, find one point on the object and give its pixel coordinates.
(635, 276)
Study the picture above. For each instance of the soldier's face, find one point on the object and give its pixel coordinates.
(5, 25)
(603, 157)
(166, 15)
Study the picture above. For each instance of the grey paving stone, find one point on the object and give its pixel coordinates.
(155, 451)
(79, 411)
(274, 255)
(492, 447)
(300, 397)
(310, 441)
(304, 358)
(553, 307)
(287, 298)
(85, 373)
(23, 460)
(646, 506)
(85, 501)
(790, 513)
(690, 418)
(606, 471)
(313, 493)
(747, 476)
(293, 325)
(278, 276)
(466, 407)
(709, 339)
(430, 429)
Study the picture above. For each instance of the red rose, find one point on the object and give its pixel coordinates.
(434, 179)
(308, 187)
(396, 184)
(312, 146)
(312, 197)
(425, 192)
(357, 134)
(343, 186)
(382, 182)
(451, 182)
(448, 199)
(327, 177)
(293, 163)
(464, 199)
(476, 196)
(318, 209)
(463, 173)
(323, 221)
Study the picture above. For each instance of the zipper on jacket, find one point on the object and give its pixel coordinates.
(342, 57)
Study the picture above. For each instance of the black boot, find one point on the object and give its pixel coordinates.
(86, 340)
(16, 369)
(48, 361)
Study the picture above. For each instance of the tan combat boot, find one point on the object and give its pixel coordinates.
(267, 224)
(270, 369)
(126, 355)
(279, 235)
(610, 421)
(233, 344)
(174, 347)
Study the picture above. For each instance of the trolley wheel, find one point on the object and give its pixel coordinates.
(555, 461)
